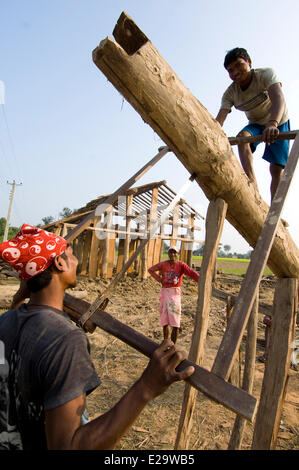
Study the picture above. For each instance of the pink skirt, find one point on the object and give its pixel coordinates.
(170, 306)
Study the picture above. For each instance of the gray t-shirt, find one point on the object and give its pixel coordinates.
(47, 364)
(255, 100)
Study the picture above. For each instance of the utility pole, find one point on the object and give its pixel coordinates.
(13, 184)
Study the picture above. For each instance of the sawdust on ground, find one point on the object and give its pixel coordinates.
(135, 303)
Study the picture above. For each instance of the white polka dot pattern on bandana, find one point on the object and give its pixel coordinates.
(32, 250)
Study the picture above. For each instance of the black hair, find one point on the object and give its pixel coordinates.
(234, 54)
(43, 279)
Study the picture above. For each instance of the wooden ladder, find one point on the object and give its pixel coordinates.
(245, 303)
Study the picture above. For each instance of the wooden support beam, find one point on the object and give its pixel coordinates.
(112, 198)
(79, 253)
(190, 232)
(108, 216)
(144, 272)
(111, 257)
(131, 253)
(151, 222)
(57, 230)
(86, 250)
(235, 375)
(145, 252)
(183, 252)
(145, 188)
(137, 260)
(100, 258)
(259, 138)
(129, 201)
(175, 226)
(181, 239)
(217, 389)
(120, 258)
(148, 83)
(277, 366)
(93, 253)
(157, 251)
(116, 231)
(214, 225)
(236, 438)
(64, 231)
(162, 232)
(60, 222)
(233, 335)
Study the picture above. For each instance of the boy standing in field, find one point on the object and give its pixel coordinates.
(171, 275)
(258, 93)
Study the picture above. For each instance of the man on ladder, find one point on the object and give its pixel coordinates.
(258, 93)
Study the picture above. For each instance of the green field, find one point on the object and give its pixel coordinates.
(231, 265)
(228, 265)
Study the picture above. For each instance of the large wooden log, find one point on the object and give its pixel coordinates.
(135, 67)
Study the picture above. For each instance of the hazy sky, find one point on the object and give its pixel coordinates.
(67, 134)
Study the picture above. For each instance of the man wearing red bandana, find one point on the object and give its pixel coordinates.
(32, 250)
(47, 370)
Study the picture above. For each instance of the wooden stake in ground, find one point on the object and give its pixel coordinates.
(233, 335)
(137, 70)
(248, 376)
(235, 375)
(214, 225)
(277, 365)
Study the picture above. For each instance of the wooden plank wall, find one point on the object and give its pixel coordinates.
(106, 256)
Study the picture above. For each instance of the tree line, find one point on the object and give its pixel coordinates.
(12, 231)
(224, 252)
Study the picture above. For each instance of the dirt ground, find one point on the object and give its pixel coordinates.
(136, 303)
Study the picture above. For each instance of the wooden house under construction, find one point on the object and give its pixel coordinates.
(111, 238)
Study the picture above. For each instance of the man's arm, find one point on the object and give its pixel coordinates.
(153, 272)
(63, 424)
(222, 115)
(277, 108)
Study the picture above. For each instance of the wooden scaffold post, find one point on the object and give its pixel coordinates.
(126, 255)
(277, 365)
(214, 225)
(237, 434)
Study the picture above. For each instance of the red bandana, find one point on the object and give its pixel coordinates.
(32, 250)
